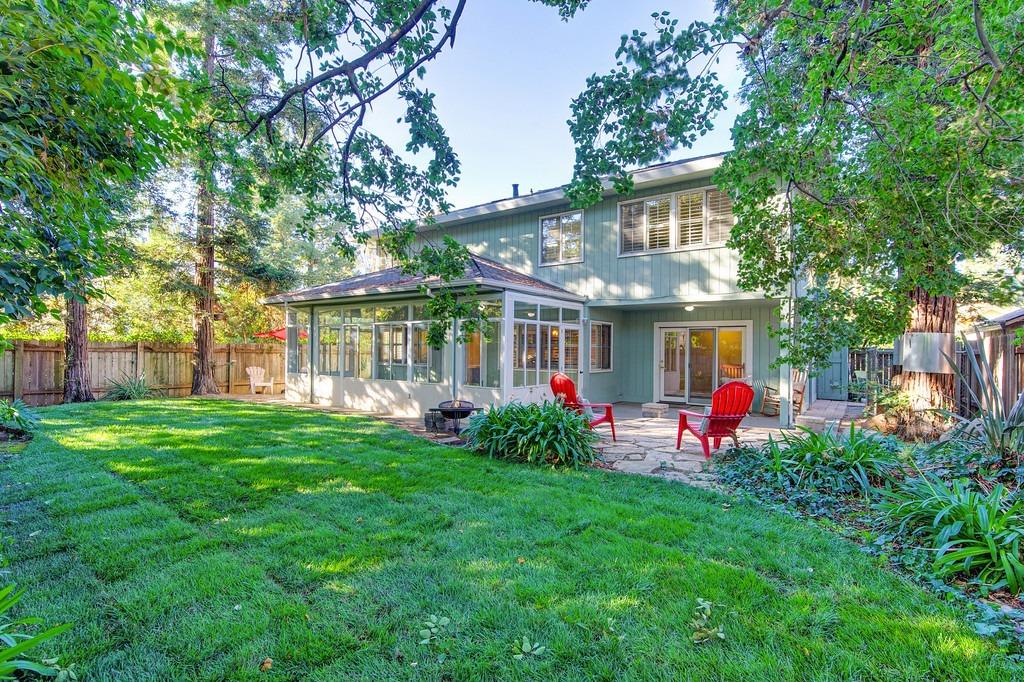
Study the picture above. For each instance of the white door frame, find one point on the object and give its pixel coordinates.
(659, 327)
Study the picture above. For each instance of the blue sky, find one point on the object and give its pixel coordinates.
(503, 92)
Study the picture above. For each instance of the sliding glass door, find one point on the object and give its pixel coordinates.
(697, 360)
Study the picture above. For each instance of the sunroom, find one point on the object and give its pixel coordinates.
(362, 343)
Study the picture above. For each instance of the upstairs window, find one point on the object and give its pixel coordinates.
(561, 238)
(673, 221)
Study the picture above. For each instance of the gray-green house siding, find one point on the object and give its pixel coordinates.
(633, 292)
(634, 357)
(605, 277)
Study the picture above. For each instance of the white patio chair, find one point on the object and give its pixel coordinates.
(256, 380)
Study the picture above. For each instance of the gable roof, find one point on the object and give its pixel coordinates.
(479, 271)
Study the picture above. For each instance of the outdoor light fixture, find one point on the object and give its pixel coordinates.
(689, 308)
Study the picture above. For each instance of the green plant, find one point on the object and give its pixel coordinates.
(15, 642)
(973, 534)
(130, 388)
(433, 628)
(813, 471)
(998, 428)
(525, 649)
(892, 401)
(843, 464)
(703, 630)
(541, 434)
(17, 417)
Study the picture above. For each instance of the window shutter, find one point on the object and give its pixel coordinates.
(631, 225)
(690, 216)
(720, 220)
(659, 219)
(572, 236)
(550, 237)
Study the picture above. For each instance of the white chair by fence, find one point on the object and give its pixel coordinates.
(256, 380)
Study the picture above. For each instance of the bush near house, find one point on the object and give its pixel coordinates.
(539, 434)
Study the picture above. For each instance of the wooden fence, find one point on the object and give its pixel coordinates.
(1007, 360)
(34, 370)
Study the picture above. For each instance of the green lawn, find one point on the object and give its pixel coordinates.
(191, 539)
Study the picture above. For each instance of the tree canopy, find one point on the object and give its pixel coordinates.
(89, 108)
(879, 147)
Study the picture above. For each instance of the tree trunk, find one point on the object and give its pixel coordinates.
(930, 314)
(76, 352)
(203, 382)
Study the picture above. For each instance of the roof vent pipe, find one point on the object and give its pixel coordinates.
(515, 190)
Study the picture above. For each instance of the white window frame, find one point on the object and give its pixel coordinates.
(540, 239)
(611, 347)
(748, 350)
(673, 198)
(508, 372)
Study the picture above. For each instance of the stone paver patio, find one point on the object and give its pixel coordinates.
(647, 445)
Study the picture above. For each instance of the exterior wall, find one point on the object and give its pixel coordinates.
(633, 339)
(604, 277)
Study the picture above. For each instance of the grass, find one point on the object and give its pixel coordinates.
(191, 539)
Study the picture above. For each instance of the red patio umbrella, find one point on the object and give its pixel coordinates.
(281, 334)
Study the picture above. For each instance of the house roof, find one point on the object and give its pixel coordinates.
(479, 271)
(1003, 320)
(649, 176)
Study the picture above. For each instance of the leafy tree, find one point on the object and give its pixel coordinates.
(88, 108)
(311, 111)
(880, 147)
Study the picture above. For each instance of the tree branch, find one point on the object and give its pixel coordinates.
(348, 68)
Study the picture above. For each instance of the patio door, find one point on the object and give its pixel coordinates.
(696, 360)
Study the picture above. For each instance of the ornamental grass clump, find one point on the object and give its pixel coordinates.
(967, 532)
(130, 388)
(544, 433)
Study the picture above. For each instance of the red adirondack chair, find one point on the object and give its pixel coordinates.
(729, 405)
(565, 390)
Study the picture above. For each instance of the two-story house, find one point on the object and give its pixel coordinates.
(635, 298)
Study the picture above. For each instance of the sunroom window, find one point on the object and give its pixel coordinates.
(328, 350)
(358, 349)
(482, 355)
(561, 238)
(671, 221)
(297, 331)
(426, 361)
(545, 340)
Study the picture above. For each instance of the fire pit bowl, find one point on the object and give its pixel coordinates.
(456, 410)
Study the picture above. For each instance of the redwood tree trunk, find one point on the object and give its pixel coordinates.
(203, 382)
(76, 352)
(930, 314)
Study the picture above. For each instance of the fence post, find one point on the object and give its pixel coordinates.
(140, 355)
(19, 369)
(231, 349)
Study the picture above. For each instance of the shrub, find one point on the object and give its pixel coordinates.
(973, 534)
(130, 388)
(17, 417)
(540, 434)
(998, 429)
(811, 470)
